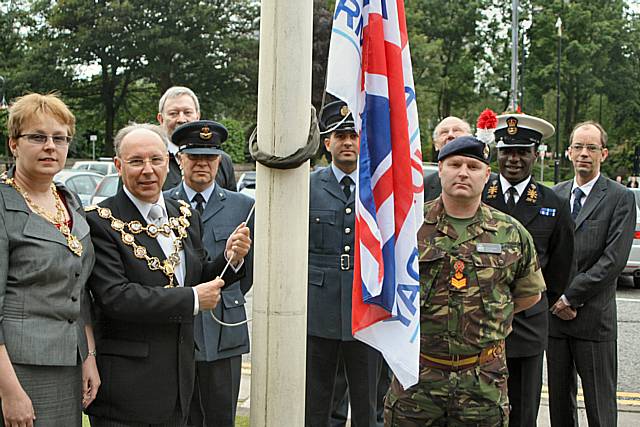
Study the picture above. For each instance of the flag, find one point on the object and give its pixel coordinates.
(370, 69)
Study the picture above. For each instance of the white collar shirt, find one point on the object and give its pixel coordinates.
(520, 188)
(586, 189)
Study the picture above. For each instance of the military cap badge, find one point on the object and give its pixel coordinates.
(485, 151)
(344, 111)
(512, 126)
(205, 133)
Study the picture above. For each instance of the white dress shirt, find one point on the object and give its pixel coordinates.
(586, 189)
(520, 188)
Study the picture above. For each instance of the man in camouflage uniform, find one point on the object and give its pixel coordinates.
(478, 267)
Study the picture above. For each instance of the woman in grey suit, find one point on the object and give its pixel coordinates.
(47, 365)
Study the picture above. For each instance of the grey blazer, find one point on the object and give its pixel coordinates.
(603, 237)
(44, 304)
(224, 211)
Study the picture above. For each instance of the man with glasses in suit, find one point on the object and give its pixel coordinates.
(583, 329)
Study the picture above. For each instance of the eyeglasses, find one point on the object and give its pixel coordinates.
(41, 139)
(590, 147)
(139, 163)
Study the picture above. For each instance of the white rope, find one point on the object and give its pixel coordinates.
(224, 270)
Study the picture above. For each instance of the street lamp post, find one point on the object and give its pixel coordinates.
(556, 163)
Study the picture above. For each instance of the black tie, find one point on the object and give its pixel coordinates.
(511, 199)
(577, 202)
(346, 186)
(199, 202)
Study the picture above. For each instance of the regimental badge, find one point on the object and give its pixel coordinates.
(532, 194)
(344, 111)
(512, 126)
(492, 191)
(458, 280)
(205, 133)
(485, 151)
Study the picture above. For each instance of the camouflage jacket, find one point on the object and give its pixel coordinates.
(467, 289)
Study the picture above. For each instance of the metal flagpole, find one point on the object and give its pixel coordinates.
(513, 102)
(279, 331)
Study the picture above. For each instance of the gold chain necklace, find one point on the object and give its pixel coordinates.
(58, 220)
(127, 231)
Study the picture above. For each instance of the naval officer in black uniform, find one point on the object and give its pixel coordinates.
(546, 216)
(331, 240)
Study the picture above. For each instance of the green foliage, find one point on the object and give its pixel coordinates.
(111, 60)
(235, 145)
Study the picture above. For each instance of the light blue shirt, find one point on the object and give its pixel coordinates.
(339, 174)
(206, 194)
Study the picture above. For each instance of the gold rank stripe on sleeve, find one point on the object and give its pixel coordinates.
(128, 230)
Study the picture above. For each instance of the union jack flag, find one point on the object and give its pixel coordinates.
(370, 69)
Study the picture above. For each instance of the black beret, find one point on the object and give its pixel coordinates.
(200, 137)
(336, 116)
(467, 146)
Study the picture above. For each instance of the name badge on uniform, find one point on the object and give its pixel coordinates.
(458, 281)
(489, 248)
(547, 212)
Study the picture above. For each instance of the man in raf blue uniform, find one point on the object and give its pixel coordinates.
(331, 240)
(219, 348)
(547, 218)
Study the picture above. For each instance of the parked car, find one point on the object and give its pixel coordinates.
(97, 166)
(633, 263)
(429, 168)
(247, 184)
(107, 187)
(81, 182)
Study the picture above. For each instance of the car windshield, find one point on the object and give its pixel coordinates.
(108, 187)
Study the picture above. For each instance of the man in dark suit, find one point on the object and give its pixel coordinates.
(152, 276)
(220, 348)
(547, 218)
(447, 130)
(331, 240)
(177, 106)
(583, 329)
